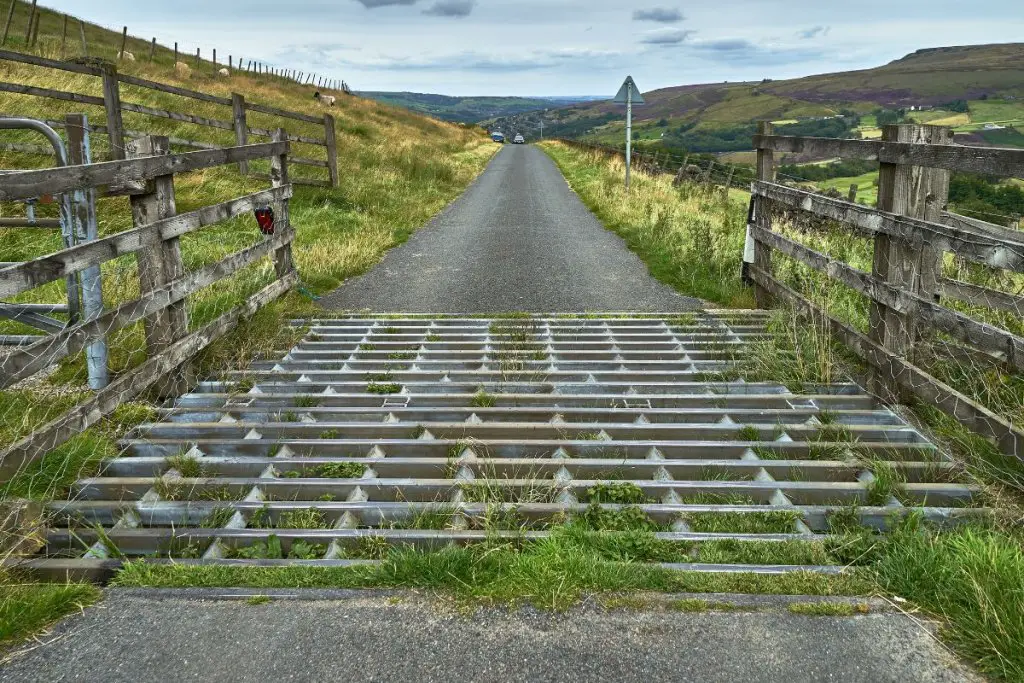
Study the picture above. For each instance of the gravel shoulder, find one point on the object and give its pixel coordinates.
(519, 239)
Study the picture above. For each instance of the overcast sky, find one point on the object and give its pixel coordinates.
(558, 47)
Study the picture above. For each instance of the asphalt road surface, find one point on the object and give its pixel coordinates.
(517, 240)
(202, 636)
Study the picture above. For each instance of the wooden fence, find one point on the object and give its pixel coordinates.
(114, 107)
(911, 231)
(147, 175)
(686, 167)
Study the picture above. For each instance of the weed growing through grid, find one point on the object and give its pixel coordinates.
(389, 388)
(257, 600)
(330, 470)
(481, 399)
(306, 402)
(188, 466)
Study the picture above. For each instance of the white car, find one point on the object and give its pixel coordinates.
(518, 140)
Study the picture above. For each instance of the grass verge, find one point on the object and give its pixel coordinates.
(27, 608)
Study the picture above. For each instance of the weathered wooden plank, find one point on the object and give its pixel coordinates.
(283, 263)
(18, 278)
(159, 263)
(762, 217)
(241, 128)
(177, 116)
(131, 384)
(926, 313)
(312, 182)
(982, 296)
(274, 111)
(20, 89)
(25, 362)
(174, 90)
(112, 103)
(989, 160)
(867, 222)
(263, 132)
(1009, 438)
(955, 220)
(24, 184)
(308, 162)
(49, 63)
(331, 142)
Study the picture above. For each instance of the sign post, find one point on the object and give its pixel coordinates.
(629, 95)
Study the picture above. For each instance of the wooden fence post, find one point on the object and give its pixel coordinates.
(241, 128)
(707, 173)
(35, 28)
(283, 264)
(124, 41)
(852, 195)
(161, 263)
(152, 49)
(31, 19)
(909, 265)
(85, 45)
(762, 253)
(332, 149)
(175, 53)
(197, 58)
(214, 59)
(728, 181)
(10, 18)
(112, 104)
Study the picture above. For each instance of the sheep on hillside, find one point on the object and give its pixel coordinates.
(324, 99)
(182, 70)
(224, 72)
(128, 56)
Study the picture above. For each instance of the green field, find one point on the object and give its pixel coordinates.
(867, 187)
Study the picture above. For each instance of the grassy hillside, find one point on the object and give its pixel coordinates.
(718, 117)
(397, 170)
(467, 109)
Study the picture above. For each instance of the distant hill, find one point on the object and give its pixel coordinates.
(470, 109)
(966, 87)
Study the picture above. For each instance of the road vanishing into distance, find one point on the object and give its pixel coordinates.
(519, 239)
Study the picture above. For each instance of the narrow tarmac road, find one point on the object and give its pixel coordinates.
(518, 240)
(201, 635)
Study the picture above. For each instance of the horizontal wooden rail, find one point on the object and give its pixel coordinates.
(973, 245)
(294, 180)
(953, 323)
(305, 139)
(50, 63)
(25, 361)
(30, 274)
(173, 90)
(177, 116)
(284, 113)
(983, 296)
(988, 160)
(131, 384)
(20, 89)
(128, 173)
(308, 162)
(924, 386)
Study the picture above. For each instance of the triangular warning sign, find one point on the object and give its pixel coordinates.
(628, 87)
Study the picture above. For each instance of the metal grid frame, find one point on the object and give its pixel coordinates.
(567, 402)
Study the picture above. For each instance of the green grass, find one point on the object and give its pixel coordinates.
(27, 608)
(553, 573)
